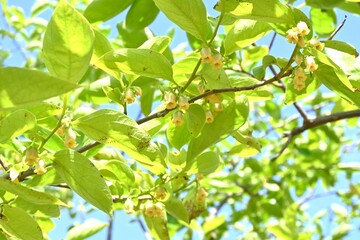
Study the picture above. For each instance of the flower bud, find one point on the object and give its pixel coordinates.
(214, 98)
(292, 35)
(40, 167)
(160, 193)
(301, 42)
(217, 61)
(129, 96)
(159, 209)
(70, 138)
(299, 79)
(317, 44)
(218, 107)
(137, 91)
(206, 55)
(183, 103)
(129, 206)
(170, 100)
(149, 209)
(31, 156)
(209, 117)
(177, 118)
(310, 64)
(298, 59)
(201, 195)
(302, 29)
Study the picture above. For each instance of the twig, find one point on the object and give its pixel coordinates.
(143, 228)
(302, 112)
(337, 29)
(87, 147)
(312, 196)
(272, 41)
(3, 165)
(312, 123)
(110, 228)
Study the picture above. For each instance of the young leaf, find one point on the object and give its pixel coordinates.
(190, 15)
(22, 86)
(81, 175)
(101, 46)
(205, 163)
(226, 122)
(120, 131)
(29, 195)
(141, 14)
(176, 208)
(16, 124)
(38, 210)
(102, 10)
(213, 223)
(68, 43)
(143, 62)
(116, 170)
(87, 229)
(19, 223)
(243, 34)
(159, 43)
(177, 136)
(323, 21)
(195, 116)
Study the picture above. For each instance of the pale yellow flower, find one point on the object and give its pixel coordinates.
(183, 103)
(298, 59)
(299, 79)
(206, 55)
(292, 35)
(310, 64)
(209, 117)
(129, 206)
(170, 100)
(217, 61)
(129, 96)
(40, 167)
(70, 138)
(177, 118)
(301, 42)
(302, 29)
(31, 156)
(201, 195)
(317, 44)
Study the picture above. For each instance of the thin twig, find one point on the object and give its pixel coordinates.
(110, 229)
(87, 147)
(3, 165)
(143, 228)
(272, 40)
(301, 112)
(337, 29)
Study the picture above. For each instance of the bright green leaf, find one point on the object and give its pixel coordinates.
(175, 207)
(102, 10)
(158, 227)
(177, 136)
(101, 46)
(341, 46)
(16, 124)
(87, 229)
(205, 163)
(141, 14)
(213, 223)
(323, 21)
(68, 43)
(120, 131)
(80, 174)
(158, 44)
(195, 119)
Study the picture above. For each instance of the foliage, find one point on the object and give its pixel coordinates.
(220, 139)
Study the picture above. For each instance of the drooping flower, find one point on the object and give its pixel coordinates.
(40, 167)
(302, 29)
(183, 103)
(129, 206)
(209, 117)
(70, 138)
(31, 156)
(206, 55)
(129, 96)
(299, 79)
(201, 195)
(217, 61)
(177, 118)
(310, 64)
(292, 35)
(315, 43)
(170, 100)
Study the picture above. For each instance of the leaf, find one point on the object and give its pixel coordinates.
(38, 210)
(183, 69)
(324, 4)
(102, 10)
(342, 47)
(213, 223)
(29, 195)
(262, 10)
(177, 136)
(243, 34)
(20, 86)
(190, 15)
(87, 229)
(323, 21)
(205, 163)
(141, 14)
(80, 174)
(19, 223)
(116, 170)
(195, 119)
(226, 122)
(157, 227)
(159, 43)
(176, 208)
(143, 62)
(101, 46)
(261, 93)
(120, 131)
(16, 124)
(68, 43)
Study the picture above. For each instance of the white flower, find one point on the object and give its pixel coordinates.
(302, 29)
(310, 64)
(317, 44)
(292, 35)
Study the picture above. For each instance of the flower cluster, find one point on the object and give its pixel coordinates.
(296, 34)
(207, 57)
(151, 209)
(299, 73)
(32, 157)
(129, 94)
(201, 195)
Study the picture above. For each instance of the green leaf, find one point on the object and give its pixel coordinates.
(190, 15)
(176, 208)
(280, 231)
(205, 163)
(177, 136)
(195, 119)
(323, 21)
(22, 86)
(116, 170)
(183, 69)
(342, 47)
(19, 223)
(29, 195)
(243, 34)
(80, 174)
(87, 229)
(102, 10)
(132, 38)
(16, 124)
(68, 43)
(213, 223)
(141, 14)
(101, 46)
(262, 10)
(324, 4)
(159, 43)
(157, 227)
(226, 122)
(38, 210)
(143, 62)
(120, 131)
(261, 93)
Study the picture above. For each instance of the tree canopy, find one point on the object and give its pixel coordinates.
(216, 138)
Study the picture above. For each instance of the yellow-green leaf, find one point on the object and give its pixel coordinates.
(15, 124)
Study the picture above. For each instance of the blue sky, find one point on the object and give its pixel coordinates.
(123, 229)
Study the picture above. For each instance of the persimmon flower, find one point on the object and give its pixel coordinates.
(149, 209)
(298, 59)
(310, 64)
(177, 118)
(129, 96)
(317, 44)
(302, 29)
(292, 35)
(218, 107)
(183, 103)
(160, 193)
(170, 100)
(40, 167)
(301, 42)
(217, 61)
(206, 55)
(159, 209)
(129, 206)
(201, 195)
(31, 156)
(299, 78)
(209, 117)
(70, 138)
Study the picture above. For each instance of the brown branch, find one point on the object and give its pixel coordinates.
(272, 41)
(338, 29)
(313, 123)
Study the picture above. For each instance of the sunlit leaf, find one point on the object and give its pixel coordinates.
(87, 229)
(16, 124)
(102, 10)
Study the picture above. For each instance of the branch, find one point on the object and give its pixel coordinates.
(337, 29)
(110, 229)
(313, 123)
